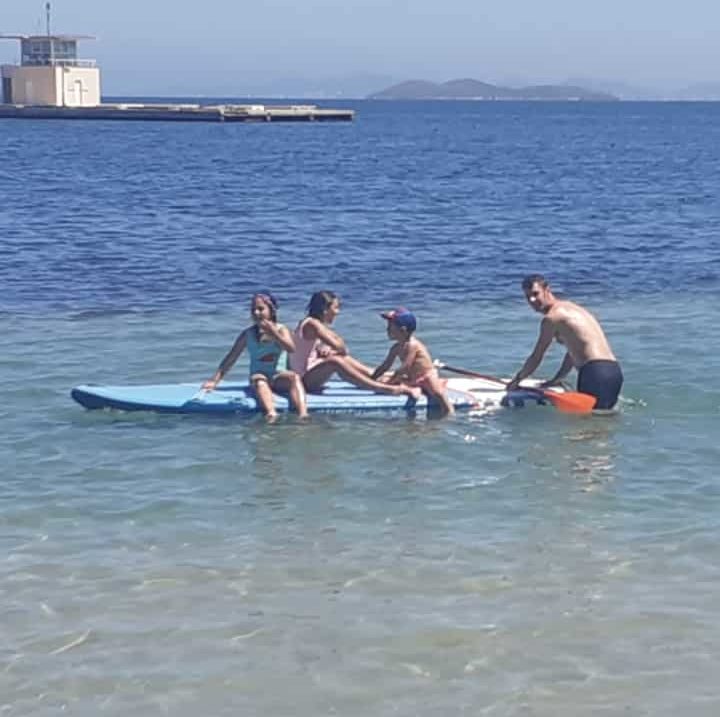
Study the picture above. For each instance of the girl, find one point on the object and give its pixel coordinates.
(267, 343)
(320, 352)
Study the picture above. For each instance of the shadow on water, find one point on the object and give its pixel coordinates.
(551, 447)
(591, 451)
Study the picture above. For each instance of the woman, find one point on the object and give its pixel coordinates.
(320, 352)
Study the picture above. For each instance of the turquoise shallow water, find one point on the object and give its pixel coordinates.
(520, 562)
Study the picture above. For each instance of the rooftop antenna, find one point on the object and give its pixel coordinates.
(47, 27)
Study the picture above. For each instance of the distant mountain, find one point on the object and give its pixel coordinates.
(702, 91)
(410, 90)
(469, 89)
(621, 90)
(472, 89)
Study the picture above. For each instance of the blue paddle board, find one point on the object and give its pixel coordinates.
(239, 398)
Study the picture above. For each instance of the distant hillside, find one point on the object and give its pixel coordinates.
(622, 90)
(701, 91)
(468, 89)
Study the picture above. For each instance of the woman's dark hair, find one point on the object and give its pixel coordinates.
(319, 302)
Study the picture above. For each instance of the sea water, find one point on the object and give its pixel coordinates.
(514, 562)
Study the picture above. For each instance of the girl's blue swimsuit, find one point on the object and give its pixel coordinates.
(266, 357)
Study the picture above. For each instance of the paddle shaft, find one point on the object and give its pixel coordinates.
(471, 374)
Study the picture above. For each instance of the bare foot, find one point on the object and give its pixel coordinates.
(271, 417)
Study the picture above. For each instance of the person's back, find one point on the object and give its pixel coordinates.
(305, 355)
(421, 364)
(580, 332)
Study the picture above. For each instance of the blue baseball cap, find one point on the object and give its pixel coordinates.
(401, 317)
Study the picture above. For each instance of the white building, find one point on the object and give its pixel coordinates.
(50, 73)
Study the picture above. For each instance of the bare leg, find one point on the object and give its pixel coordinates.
(359, 365)
(318, 375)
(435, 388)
(289, 382)
(264, 395)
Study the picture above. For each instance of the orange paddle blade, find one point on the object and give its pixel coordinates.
(571, 401)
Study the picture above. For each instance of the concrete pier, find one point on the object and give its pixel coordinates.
(52, 82)
(180, 113)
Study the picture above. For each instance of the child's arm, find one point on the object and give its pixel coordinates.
(280, 333)
(387, 363)
(228, 362)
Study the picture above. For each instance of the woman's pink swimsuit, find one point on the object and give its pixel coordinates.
(305, 355)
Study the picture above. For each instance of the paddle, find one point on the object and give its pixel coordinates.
(568, 401)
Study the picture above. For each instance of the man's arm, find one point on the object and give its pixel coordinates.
(567, 365)
(545, 338)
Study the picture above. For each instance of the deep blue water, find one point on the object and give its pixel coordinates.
(412, 200)
(512, 564)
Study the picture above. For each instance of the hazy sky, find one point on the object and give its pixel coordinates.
(225, 46)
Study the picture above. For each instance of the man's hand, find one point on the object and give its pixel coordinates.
(513, 385)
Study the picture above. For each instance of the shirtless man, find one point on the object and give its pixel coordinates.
(587, 347)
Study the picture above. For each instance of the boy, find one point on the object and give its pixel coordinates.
(416, 366)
